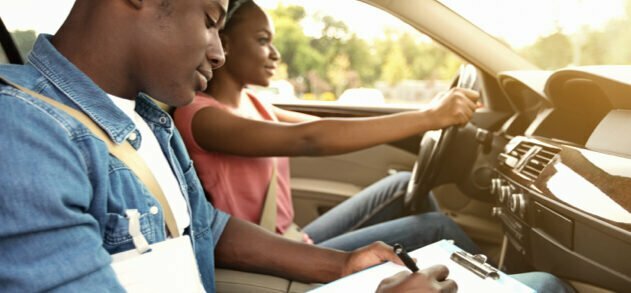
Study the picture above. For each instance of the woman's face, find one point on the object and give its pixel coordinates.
(250, 56)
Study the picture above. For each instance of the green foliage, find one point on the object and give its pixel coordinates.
(295, 48)
(337, 73)
(362, 60)
(395, 67)
(337, 59)
(24, 40)
(296, 13)
(609, 45)
(550, 52)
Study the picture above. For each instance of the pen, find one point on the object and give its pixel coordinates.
(405, 257)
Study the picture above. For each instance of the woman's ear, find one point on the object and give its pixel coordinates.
(225, 43)
(136, 3)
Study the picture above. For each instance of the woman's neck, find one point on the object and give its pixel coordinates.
(226, 90)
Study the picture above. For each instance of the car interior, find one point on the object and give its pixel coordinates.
(540, 178)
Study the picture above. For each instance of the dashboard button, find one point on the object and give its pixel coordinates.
(505, 192)
(496, 211)
(496, 184)
(517, 203)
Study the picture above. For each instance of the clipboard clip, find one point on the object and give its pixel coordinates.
(476, 264)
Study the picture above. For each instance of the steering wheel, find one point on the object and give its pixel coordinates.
(433, 147)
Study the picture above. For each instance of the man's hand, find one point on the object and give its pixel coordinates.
(454, 107)
(432, 279)
(367, 256)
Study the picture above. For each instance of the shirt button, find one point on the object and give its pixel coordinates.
(163, 120)
(153, 210)
(132, 136)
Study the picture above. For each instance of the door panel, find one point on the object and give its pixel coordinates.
(319, 183)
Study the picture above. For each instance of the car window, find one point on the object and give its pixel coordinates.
(333, 51)
(3, 56)
(25, 19)
(351, 53)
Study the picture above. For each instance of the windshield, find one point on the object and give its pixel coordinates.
(556, 33)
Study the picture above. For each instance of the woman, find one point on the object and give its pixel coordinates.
(239, 144)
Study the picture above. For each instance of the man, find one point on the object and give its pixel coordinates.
(64, 198)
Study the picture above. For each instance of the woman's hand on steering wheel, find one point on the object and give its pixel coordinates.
(454, 107)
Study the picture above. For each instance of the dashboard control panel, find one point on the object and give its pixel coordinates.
(519, 167)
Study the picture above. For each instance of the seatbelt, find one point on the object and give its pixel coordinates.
(269, 210)
(124, 152)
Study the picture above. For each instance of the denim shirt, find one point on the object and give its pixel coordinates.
(63, 197)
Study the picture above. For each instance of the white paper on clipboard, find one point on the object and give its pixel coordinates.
(433, 254)
(170, 266)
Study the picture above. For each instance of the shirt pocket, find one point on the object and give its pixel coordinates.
(117, 238)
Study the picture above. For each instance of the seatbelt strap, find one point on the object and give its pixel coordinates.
(269, 211)
(124, 152)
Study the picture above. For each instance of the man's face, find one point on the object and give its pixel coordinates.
(178, 48)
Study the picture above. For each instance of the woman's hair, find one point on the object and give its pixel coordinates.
(234, 9)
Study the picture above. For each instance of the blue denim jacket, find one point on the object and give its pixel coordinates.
(63, 197)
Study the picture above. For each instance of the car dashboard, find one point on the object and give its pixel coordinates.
(562, 184)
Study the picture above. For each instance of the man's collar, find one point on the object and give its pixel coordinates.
(80, 89)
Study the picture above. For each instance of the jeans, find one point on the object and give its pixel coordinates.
(543, 282)
(375, 213)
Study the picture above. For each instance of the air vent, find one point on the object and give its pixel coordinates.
(521, 149)
(532, 158)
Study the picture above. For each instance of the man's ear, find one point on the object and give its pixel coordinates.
(225, 43)
(136, 3)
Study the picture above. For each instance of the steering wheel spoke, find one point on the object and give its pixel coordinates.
(433, 147)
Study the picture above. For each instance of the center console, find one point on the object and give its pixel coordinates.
(565, 210)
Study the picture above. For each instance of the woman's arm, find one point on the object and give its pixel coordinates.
(218, 130)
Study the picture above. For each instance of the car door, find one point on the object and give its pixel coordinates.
(319, 183)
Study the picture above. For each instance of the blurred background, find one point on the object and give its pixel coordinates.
(349, 52)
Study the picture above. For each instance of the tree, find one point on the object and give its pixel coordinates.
(336, 58)
(291, 11)
(395, 68)
(338, 73)
(364, 62)
(332, 36)
(608, 46)
(24, 40)
(551, 52)
(292, 43)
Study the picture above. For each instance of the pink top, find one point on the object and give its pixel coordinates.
(236, 184)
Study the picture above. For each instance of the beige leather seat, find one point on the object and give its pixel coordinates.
(229, 281)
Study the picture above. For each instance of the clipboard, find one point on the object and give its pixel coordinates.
(471, 272)
(476, 264)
